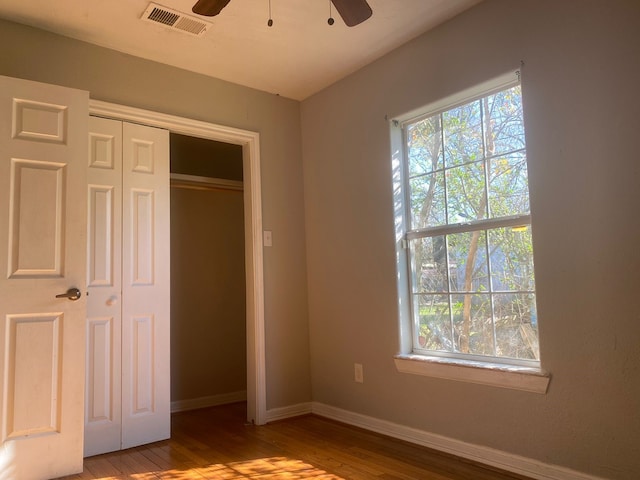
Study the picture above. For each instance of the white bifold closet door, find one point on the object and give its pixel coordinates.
(127, 380)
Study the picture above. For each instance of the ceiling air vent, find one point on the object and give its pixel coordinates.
(175, 20)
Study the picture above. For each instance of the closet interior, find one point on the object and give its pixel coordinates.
(208, 321)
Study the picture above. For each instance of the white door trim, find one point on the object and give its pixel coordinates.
(250, 142)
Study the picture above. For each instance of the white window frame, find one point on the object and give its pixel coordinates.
(506, 373)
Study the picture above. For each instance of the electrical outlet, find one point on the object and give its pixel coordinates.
(358, 373)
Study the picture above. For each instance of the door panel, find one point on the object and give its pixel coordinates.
(33, 374)
(35, 218)
(43, 145)
(103, 422)
(145, 293)
(142, 206)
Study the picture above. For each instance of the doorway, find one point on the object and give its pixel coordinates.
(250, 144)
(208, 327)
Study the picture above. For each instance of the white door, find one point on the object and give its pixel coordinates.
(146, 409)
(128, 400)
(103, 424)
(43, 145)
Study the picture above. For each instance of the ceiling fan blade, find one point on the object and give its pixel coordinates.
(353, 12)
(209, 8)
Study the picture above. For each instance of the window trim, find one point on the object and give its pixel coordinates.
(513, 377)
(503, 372)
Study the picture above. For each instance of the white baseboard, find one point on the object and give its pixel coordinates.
(288, 412)
(488, 456)
(210, 401)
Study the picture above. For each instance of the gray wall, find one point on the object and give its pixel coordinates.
(115, 77)
(582, 111)
(208, 334)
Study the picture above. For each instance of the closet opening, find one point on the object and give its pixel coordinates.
(208, 284)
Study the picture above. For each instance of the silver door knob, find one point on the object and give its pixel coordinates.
(112, 300)
(71, 294)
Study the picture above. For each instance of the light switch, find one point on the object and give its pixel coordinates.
(358, 373)
(268, 240)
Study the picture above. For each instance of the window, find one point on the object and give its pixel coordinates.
(464, 226)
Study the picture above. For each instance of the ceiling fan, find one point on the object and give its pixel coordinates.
(353, 12)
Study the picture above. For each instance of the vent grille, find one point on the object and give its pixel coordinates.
(175, 20)
(162, 16)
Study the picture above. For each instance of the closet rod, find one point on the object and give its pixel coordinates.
(180, 180)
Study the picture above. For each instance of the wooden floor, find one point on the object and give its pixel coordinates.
(215, 443)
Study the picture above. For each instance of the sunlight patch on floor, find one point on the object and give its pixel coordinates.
(270, 468)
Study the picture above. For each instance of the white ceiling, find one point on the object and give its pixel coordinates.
(296, 57)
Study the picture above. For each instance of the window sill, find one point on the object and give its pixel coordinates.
(505, 376)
